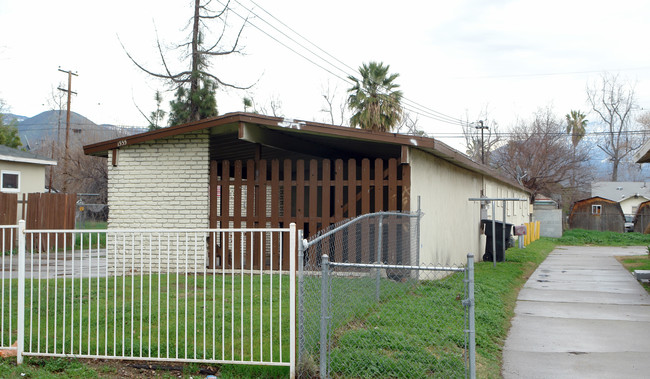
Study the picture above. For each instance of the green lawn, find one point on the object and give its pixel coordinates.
(155, 316)
(400, 336)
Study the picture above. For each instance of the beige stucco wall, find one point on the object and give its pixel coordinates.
(450, 226)
(631, 204)
(32, 176)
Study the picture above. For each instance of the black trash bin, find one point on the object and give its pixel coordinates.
(498, 227)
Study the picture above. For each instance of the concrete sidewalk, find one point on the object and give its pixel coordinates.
(580, 315)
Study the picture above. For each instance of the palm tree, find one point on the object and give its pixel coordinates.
(576, 125)
(375, 100)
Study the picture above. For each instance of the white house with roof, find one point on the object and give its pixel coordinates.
(22, 172)
(628, 194)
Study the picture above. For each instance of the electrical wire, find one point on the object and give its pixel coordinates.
(408, 104)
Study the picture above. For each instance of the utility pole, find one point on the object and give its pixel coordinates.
(480, 122)
(67, 127)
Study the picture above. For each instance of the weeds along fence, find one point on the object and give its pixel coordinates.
(369, 308)
(147, 295)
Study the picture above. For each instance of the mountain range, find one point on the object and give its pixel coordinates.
(51, 126)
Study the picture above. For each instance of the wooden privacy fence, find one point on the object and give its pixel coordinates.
(314, 194)
(8, 214)
(40, 211)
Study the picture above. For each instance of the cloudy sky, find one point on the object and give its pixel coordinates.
(455, 58)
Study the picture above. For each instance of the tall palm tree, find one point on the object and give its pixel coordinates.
(375, 100)
(576, 125)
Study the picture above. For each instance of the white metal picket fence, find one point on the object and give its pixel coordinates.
(148, 295)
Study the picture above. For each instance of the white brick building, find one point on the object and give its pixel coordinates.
(281, 171)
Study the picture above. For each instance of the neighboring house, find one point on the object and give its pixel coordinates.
(620, 190)
(631, 204)
(22, 172)
(628, 194)
(196, 175)
(597, 213)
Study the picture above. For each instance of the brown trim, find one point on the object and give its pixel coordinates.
(241, 119)
(114, 157)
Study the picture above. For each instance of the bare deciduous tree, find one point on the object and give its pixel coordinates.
(197, 101)
(329, 95)
(613, 101)
(539, 155)
(409, 125)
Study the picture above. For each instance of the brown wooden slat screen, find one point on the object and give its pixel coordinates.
(8, 214)
(313, 194)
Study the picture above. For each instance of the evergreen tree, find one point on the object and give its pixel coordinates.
(8, 130)
(156, 116)
(203, 98)
(195, 85)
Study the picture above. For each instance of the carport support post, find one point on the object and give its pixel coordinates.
(324, 313)
(379, 242)
(494, 238)
(417, 231)
(301, 294)
(20, 345)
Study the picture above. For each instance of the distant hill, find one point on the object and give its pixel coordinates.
(9, 117)
(51, 126)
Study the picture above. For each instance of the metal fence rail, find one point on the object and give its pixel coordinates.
(8, 287)
(367, 304)
(147, 295)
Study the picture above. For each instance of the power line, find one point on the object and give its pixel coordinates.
(408, 104)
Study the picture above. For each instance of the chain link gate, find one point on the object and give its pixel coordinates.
(368, 307)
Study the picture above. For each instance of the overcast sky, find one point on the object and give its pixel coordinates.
(453, 57)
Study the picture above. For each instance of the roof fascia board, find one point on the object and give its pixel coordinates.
(45, 162)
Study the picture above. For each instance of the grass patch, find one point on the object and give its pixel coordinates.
(92, 225)
(636, 262)
(165, 315)
(496, 290)
(581, 237)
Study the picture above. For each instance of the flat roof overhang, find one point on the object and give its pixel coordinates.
(305, 138)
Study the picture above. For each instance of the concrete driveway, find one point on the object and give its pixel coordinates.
(580, 315)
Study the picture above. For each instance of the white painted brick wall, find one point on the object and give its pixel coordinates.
(161, 184)
(159, 181)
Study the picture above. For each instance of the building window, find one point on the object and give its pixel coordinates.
(596, 209)
(10, 181)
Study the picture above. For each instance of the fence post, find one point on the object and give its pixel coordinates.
(417, 239)
(20, 345)
(324, 314)
(380, 232)
(292, 300)
(471, 331)
(301, 295)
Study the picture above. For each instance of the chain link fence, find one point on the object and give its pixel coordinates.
(368, 308)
